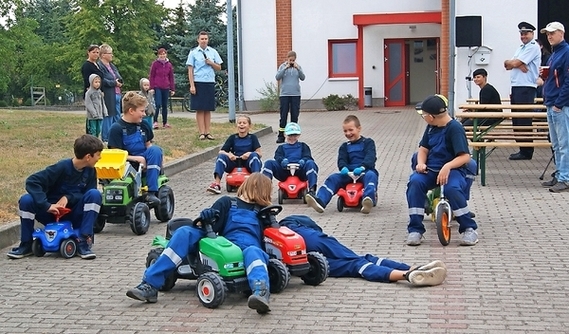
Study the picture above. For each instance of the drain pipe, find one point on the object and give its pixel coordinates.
(452, 56)
(230, 63)
(240, 58)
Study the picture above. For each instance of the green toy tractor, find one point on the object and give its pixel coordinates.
(124, 194)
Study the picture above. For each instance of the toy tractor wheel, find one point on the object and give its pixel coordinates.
(165, 210)
(210, 289)
(278, 275)
(318, 269)
(37, 248)
(140, 218)
(99, 224)
(281, 195)
(304, 193)
(68, 248)
(340, 204)
(443, 223)
(228, 187)
(153, 255)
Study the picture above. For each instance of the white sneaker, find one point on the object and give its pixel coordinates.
(414, 239)
(433, 264)
(314, 202)
(433, 276)
(367, 204)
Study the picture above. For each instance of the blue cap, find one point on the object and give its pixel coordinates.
(292, 129)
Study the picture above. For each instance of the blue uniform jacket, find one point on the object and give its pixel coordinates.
(364, 157)
(305, 153)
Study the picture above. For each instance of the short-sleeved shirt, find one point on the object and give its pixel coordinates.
(529, 54)
(455, 138)
(116, 132)
(240, 145)
(202, 71)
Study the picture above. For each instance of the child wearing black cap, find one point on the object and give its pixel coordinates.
(441, 159)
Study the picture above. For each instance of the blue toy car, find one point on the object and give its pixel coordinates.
(56, 237)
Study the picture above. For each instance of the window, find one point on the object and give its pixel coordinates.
(342, 58)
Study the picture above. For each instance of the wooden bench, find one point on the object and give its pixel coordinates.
(473, 100)
(502, 134)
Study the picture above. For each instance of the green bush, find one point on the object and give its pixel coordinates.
(336, 102)
(3, 104)
(270, 97)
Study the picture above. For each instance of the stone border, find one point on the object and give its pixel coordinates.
(10, 233)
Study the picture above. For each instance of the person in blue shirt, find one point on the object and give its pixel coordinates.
(202, 63)
(237, 220)
(442, 159)
(344, 262)
(242, 145)
(293, 151)
(69, 183)
(133, 135)
(357, 155)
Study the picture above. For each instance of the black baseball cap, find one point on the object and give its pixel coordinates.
(434, 105)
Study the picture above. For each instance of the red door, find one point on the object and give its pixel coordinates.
(396, 73)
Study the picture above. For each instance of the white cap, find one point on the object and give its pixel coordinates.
(552, 26)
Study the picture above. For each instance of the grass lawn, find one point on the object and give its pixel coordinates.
(32, 140)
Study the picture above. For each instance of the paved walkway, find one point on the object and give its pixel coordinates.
(515, 280)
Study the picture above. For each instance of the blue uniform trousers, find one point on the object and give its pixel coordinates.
(308, 172)
(154, 157)
(344, 262)
(225, 165)
(338, 180)
(82, 216)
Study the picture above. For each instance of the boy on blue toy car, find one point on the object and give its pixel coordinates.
(70, 183)
(243, 145)
(356, 155)
(237, 221)
(133, 135)
(293, 151)
(441, 159)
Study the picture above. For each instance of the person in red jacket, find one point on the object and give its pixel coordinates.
(162, 82)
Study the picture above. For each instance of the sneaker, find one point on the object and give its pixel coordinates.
(23, 250)
(414, 239)
(143, 292)
(559, 187)
(214, 188)
(549, 183)
(167, 126)
(314, 202)
(469, 237)
(433, 264)
(429, 277)
(367, 204)
(84, 250)
(155, 125)
(259, 300)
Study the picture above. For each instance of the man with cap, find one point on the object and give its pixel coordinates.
(556, 99)
(441, 160)
(293, 151)
(524, 67)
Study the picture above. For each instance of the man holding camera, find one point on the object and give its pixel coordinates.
(289, 75)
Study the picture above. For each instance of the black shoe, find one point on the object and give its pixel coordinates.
(519, 156)
(280, 140)
(259, 300)
(152, 200)
(549, 183)
(143, 292)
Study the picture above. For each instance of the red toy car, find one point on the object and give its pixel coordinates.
(351, 196)
(287, 246)
(292, 187)
(237, 176)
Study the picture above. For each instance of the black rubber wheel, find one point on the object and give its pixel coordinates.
(68, 248)
(318, 269)
(37, 248)
(340, 204)
(443, 220)
(165, 210)
(210, 289)
(152, 256)
(99, 225)
(304, 193)
(228, 187)
(278, 276)
(140, 218)
(281, 195)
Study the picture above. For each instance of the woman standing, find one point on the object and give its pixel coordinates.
(90, 66)
(112, 83)
(162, 82)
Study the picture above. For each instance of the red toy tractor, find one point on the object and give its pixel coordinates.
(287, 246)
(237, 176)
(292, 187)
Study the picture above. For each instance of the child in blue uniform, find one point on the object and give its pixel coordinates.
(70, 183)
(343, 262)
(293, 151)
(357, 155)
(133, 135)
(242, 145)
(237, 221)
(441, 159)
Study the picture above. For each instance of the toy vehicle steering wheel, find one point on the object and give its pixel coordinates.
(267, 215)
(61, 212)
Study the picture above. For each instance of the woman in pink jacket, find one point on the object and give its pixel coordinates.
(162, 82)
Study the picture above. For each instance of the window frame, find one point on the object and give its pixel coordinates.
(331, 43)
